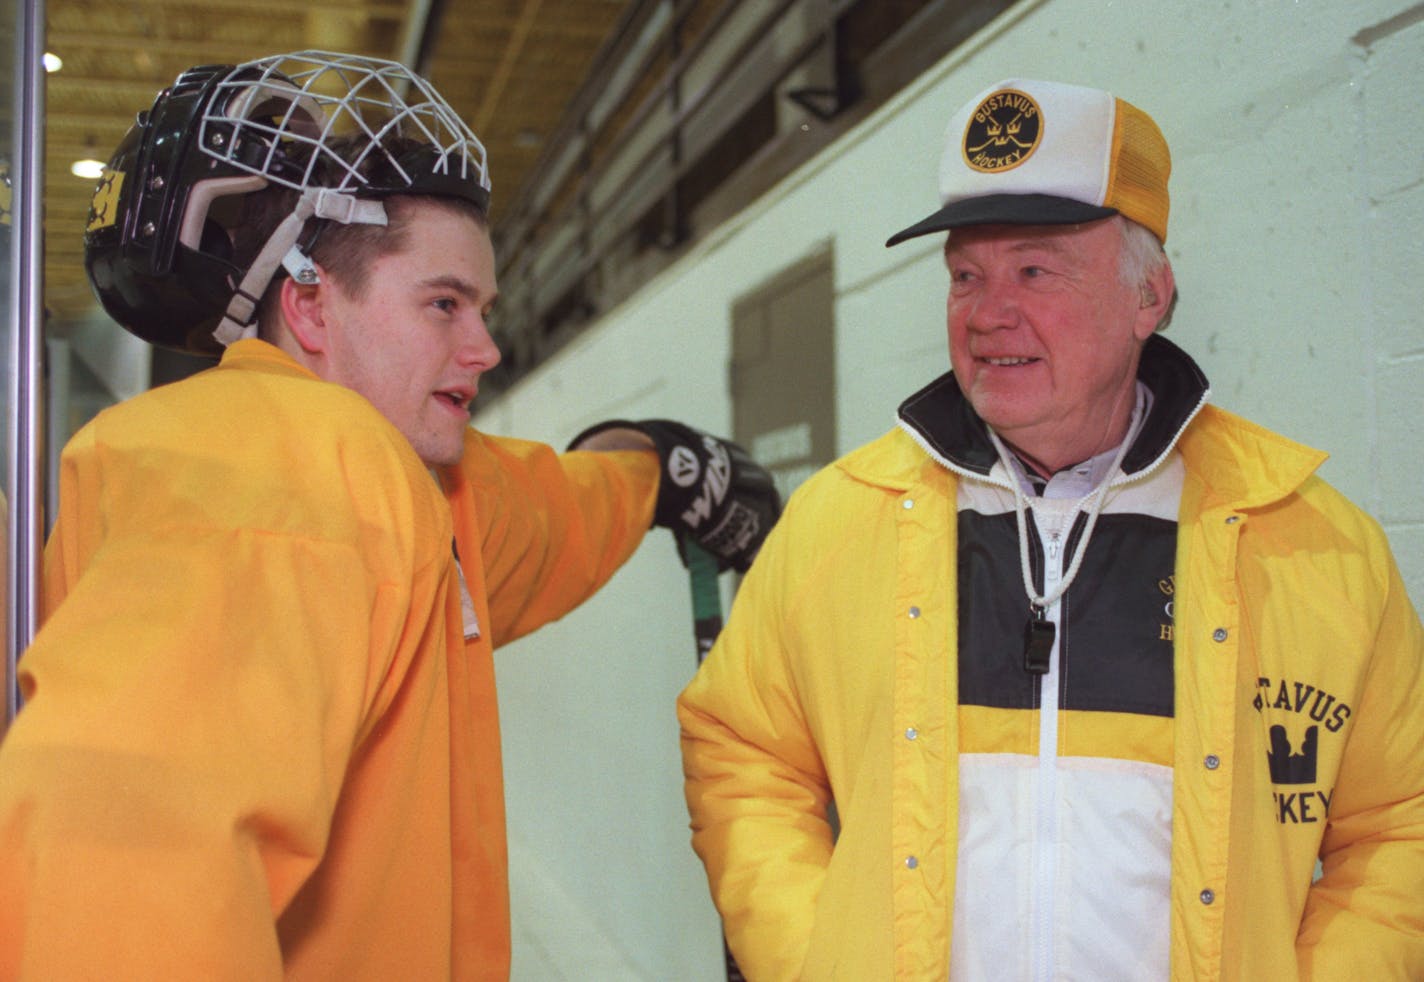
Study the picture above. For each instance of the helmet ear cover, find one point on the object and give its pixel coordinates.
(161, 265)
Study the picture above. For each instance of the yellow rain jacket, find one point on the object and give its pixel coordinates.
(257, 742)
(835, 679)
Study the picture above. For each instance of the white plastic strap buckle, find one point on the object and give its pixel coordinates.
(345, 208)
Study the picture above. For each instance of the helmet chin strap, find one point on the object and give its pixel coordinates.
(240, 320)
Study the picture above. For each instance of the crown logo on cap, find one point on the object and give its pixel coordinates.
(1004, 130)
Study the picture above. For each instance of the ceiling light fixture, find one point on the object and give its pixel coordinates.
(90, 170)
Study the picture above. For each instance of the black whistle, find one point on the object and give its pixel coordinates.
(1038, 642)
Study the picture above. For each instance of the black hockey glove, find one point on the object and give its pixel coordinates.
(711, 491)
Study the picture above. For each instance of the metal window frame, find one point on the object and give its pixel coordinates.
(614, 197)
(25, 462)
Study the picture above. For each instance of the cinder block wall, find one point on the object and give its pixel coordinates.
(1298, 203)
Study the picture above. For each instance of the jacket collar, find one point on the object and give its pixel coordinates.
(252, 353)
(942, 421)
(1242, 465)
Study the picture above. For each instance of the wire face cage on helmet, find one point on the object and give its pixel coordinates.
(341, 131)
(266, 109)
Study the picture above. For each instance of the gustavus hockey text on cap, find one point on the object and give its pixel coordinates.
(1028, 152)
(1003, 131)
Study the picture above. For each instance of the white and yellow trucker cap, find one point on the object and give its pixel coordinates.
(1045, 153)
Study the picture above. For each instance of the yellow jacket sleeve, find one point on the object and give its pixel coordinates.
(553, 527)
(1364, 917)
(756, 787)
(233, 607)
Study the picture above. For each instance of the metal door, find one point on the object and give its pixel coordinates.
(783, 373)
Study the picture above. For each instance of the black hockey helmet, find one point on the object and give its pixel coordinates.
(342, 131)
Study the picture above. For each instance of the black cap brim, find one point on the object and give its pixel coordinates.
(1005, 209)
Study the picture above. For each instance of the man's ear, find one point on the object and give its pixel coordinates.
(303, 308)
(1155, 300)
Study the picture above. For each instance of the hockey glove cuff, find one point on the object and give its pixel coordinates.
(710, 491)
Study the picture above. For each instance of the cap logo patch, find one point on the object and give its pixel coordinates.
(1004, 130)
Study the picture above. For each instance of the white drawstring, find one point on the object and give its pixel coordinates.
(1039, 604)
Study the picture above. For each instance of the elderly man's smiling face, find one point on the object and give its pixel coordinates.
(1045, 334)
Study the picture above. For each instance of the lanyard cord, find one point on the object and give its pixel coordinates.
(1039, 604)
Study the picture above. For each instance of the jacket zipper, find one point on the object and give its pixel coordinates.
(1044, 884)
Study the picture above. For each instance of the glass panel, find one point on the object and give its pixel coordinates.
(9, 318)
(21, 150)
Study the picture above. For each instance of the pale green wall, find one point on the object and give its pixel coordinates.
(1298, 194)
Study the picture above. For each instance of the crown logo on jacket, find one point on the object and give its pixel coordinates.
(1293, 768)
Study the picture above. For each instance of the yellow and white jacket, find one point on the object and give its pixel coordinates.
(260, 740)
(1293, 728)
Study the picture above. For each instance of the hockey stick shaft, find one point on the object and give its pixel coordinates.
(706, 599)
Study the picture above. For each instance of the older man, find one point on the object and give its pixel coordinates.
(1092, 672)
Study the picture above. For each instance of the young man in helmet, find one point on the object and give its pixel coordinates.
(260, 733)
